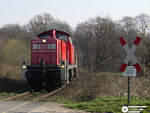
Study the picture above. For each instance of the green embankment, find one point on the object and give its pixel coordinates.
(104, 104)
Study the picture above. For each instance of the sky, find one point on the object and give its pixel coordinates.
(71, 11)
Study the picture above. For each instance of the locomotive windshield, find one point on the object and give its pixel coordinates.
(62, 37)
(44, 36)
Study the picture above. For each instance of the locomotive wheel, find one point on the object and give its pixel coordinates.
(34, 83)
(50, 86)
(71, 74)
(37, 88)
(67, 77)
(75, 72)
(60, 84)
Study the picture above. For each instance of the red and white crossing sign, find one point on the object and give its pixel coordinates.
(130, 53)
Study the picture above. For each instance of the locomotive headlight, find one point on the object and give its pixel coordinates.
(44, 41)
(24, 67)
(62, 66)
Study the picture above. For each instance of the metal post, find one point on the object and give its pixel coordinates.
(129, 79)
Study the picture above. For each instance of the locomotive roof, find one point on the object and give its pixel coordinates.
(45, 32)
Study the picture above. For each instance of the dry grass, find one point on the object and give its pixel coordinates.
(88, 85)
(12, 72)
(93, 85)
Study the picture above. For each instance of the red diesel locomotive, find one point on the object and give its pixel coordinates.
(53, 60)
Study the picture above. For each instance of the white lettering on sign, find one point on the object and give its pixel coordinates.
(130, 71)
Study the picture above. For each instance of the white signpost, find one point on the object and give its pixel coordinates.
(130, 71)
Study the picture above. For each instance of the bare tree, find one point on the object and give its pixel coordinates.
(43, 22)
(40, 23)
(96, 39)
(143, 23)
(128, 26)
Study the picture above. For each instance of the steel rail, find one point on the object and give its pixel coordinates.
(28, 102)
(17, 96)
(48, 95)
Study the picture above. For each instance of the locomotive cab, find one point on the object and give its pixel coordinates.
(53, 60)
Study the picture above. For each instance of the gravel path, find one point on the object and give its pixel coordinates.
(34, 107)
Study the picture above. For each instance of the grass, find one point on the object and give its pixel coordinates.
(104, 104)
(6, 94)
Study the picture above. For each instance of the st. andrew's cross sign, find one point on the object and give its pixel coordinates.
(130, 53)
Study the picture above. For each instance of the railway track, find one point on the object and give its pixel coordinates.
(27, 93)
(49, 94)
(22, 95)
(17, 96)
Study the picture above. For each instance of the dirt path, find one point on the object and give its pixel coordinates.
(34, 107)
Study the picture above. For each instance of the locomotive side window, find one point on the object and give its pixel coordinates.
(44, 36)
(36, 46)
(51, 46)
(62, 37)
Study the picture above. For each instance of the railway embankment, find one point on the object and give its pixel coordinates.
(104, 92)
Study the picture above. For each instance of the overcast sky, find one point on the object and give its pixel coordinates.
(71, 11)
